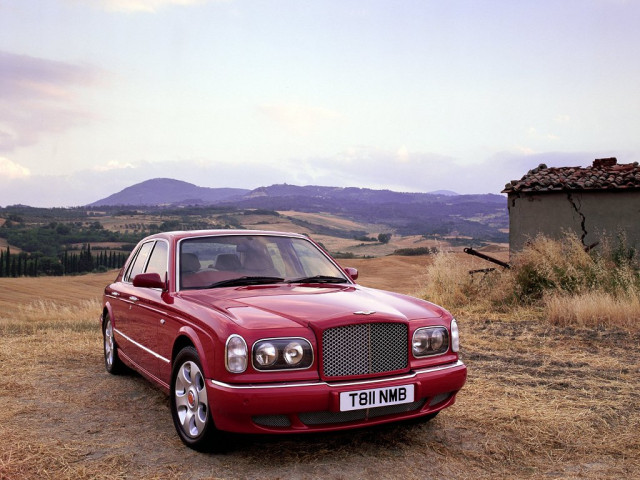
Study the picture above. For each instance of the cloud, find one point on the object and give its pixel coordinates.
(148, 6)
(40, 96)
(113, 165)
(11, 170)
(298, 119)
(405, 170)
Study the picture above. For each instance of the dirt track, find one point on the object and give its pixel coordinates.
(540, 402)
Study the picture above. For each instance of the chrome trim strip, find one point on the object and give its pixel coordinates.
(334, 385)
(159, 357)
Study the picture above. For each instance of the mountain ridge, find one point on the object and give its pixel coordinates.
(167, 191)
(406, 213)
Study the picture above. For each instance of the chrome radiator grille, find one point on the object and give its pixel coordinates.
(364, 349)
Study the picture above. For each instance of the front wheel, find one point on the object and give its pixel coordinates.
(112, 362)
(189, 403)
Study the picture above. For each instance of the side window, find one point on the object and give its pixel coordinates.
(158, 261)
(140, 262)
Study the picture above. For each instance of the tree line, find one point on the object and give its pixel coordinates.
(68, 263)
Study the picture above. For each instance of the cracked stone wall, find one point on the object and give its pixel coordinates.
(589, 214)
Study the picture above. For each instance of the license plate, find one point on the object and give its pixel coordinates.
(375, 397)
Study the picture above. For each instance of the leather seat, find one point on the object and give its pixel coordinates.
(189, 263)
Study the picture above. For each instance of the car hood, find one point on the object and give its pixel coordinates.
(281, 306)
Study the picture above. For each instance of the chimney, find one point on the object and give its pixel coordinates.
(605, 162)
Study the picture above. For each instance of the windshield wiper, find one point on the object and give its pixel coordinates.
(318, 279)
(241, 281)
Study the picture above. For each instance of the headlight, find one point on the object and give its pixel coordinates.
(236, 354)
(438, 338)
(455, 336)
(282, 353)
(429, 341)
(266, 354)
(293, 353)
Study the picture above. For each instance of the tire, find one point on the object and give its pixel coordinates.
(189, 404)
(112, 362)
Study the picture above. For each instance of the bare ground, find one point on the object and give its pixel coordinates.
(540, 402)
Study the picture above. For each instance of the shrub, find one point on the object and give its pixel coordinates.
(555, 277)
(411, 252)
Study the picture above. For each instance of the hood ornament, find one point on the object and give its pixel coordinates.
(368, 312)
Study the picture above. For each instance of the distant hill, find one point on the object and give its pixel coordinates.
(444, 192)
(477, 216)
(441, 213)
(166, 191)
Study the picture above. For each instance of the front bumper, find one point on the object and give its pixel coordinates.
(315, 406)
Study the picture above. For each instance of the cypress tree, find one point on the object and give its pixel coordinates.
(89, 258)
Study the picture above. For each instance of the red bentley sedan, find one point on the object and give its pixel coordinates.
(263, 332)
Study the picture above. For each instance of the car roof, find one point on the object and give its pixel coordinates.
(181, 234)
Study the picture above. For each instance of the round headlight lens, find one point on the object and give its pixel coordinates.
(266, 354)
(236, 354)
(437, 339)
(293, 353)
(420, 342)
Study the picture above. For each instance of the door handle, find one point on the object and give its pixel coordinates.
(133, 298)
(162, 320)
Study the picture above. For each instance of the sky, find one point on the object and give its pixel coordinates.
(406, 95)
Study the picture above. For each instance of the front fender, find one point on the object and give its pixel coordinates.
(206, 350)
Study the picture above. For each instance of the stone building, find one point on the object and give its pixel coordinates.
(602, 199)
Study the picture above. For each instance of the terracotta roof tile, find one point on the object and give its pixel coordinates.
(604, 174)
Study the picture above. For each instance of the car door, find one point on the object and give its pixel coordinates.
(132, 331)
(151, 312)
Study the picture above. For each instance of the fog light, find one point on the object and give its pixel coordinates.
(439, 399)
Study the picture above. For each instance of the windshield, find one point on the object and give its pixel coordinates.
(220, 261)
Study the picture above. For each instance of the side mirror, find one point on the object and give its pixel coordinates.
(148, 280)
(352, 272)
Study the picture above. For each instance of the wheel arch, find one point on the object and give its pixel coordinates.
(106, 310)
(186, 337)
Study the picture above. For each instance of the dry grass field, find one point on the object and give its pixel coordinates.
(542, 401)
